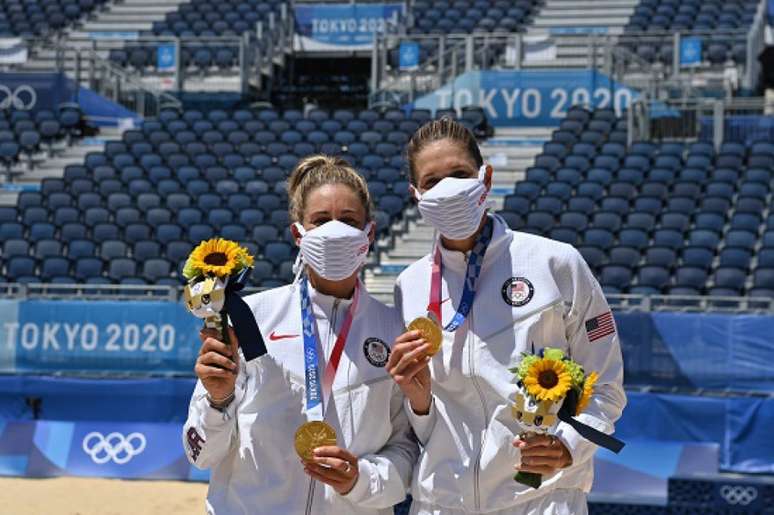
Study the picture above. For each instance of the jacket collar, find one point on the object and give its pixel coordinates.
(458, 261)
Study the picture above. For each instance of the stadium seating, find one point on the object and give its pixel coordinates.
(459, 17)
(130, 214)
(202, 19)
(657, 218)
(22, 134)
(657, 16)
(38, 18)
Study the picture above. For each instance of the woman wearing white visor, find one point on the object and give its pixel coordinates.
(315, 425)
(496, 294)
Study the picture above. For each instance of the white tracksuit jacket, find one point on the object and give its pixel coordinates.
(249, 447)
(531, 291)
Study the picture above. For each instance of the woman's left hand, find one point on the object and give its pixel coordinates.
(542, 454)
(333, 466)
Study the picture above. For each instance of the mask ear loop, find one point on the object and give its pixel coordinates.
(298, 265)
(482, 172)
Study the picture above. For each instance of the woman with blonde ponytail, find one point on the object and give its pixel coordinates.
(316, 425)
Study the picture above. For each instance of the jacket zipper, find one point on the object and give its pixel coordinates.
(310, 496)
(331, 331)
(477, 467)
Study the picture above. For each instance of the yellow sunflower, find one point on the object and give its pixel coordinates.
(588, 390)
(215, 257)
(547, 380)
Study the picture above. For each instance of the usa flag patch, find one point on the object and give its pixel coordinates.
(600, 326)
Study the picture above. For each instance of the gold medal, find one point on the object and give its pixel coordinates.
(311, 436)
(431, 333)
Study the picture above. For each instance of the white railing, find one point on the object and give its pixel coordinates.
(619, 302)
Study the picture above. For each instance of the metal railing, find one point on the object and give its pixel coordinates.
(618, 302)
(444, 57)
(708, 119)
(88, 60)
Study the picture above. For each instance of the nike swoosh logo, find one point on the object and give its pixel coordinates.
(274, 337)
(447, 299)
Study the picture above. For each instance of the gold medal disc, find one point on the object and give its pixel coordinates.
(311, 436)
(431, 333)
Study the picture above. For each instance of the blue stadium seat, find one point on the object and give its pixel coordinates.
(277, 251)
(600, 238)
(47, 248)
(540, 221)
(582, 205)
(655, 277)
(514, 220)
(730, 278)
(746, 222)
(710, 221)
(735, 257)
(609, 221)
(87, 268)
(624, 256)
(691, 277)
(565, 234)
(661, 256)
(668, 238)
(763, 278)
(704, 238)
(51, 267)
(594, 256)
(618, 277)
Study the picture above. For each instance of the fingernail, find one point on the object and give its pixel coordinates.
(316, 452)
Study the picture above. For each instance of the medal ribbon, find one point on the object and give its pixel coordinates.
(472, 273)
(318, 390)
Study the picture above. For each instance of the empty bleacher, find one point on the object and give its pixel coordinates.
(41, 18)
(23, 135)
(654, 218)
(132, 213)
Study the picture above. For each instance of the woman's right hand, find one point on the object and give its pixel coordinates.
(217, 366)
(408, 366)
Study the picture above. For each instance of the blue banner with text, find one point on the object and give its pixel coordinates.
(324, 27)
(97, 337)
(529, 98)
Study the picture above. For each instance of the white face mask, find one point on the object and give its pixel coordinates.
(334, 250)
(455, 206)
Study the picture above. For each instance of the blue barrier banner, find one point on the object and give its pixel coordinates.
(709, 351)
(118, 337)
(529, 98)
(35, 91)
(409, 55)
(342, 27)
(690, 51)
(94, 449)
(741, 426)
(696, 350)
(740, 128)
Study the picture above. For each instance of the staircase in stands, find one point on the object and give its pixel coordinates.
(510, 152)
(114, 24)
(565, 20)
(53, 166)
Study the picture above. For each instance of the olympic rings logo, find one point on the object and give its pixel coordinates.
(22, 98)
(738, 495)
(113, 447)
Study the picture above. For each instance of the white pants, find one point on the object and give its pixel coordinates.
(555, 502)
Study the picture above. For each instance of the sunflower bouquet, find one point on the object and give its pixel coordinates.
(551, 387)
(213, 270)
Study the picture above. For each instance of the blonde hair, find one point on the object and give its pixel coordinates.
(318, 170)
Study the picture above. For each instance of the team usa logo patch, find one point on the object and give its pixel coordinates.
(600, 326)
(376, 352)
(518, 291)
